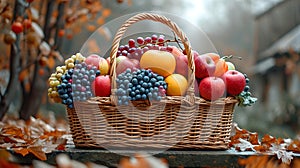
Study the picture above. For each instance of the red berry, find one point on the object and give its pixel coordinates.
(17, 27)
(29, 1)
(61, 33)
(131, 43)
(154, 37)
(147, 40)
(27, 23)
(140, 40)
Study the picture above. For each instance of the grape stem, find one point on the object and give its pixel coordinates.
(231, 57)
(175, 40)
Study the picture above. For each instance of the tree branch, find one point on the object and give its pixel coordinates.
(32, 101)
(59, 24)
(9, 93)
(47, 29)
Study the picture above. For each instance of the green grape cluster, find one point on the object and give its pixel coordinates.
(55, 78)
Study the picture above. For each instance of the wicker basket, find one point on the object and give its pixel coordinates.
(178, 122)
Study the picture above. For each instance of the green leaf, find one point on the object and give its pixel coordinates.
(245, 99)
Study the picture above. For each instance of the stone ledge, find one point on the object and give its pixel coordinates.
(228, 158)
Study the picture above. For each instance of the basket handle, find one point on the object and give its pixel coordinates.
(190, 96)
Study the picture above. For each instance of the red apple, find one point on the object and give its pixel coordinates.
(211, 88)
(102, 86)
(93, 59)
(182, 65)
(204, 66)
(127, 63)
(235, 82)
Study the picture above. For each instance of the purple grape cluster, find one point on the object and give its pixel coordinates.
(76, 83)
(83, 76)
(65, 88)
(140, 85)
(135, 48)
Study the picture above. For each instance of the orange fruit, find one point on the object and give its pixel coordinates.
(221, 68)
(177, 85)
(160, 62)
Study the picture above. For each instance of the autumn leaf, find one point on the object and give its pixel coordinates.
(294, 146)
(11, 130)
(22, 151)
(33, 136)
(268, 140)
(283, 149)
(38, 152)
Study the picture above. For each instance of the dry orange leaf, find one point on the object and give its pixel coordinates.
(41, 72)
(253, 138)
(268, 140)
(11, 130)
(100, 21)
(51, 62)
(38, 152)
(106, 12)
(91, 28)
(76, 29)
(27, 86)
(294, 146)
(23, 74)
(84, 18)
(22, 151)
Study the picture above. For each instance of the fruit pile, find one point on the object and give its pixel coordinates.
(72, 81)
(148, 69)
(216, 77)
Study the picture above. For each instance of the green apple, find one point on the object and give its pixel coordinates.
(230, 65)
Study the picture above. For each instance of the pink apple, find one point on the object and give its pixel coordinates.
(127, 63)
(176, 51)
(204, 66)
(93, 59)
(102, 86)
(235, 82)
(120, 59)
(108, 60)
(211, 88)
(182, 65)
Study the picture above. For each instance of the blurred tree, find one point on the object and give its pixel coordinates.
(33, 31)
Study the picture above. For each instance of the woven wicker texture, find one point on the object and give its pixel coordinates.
(179, 122)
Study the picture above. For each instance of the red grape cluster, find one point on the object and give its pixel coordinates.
(135, 48)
